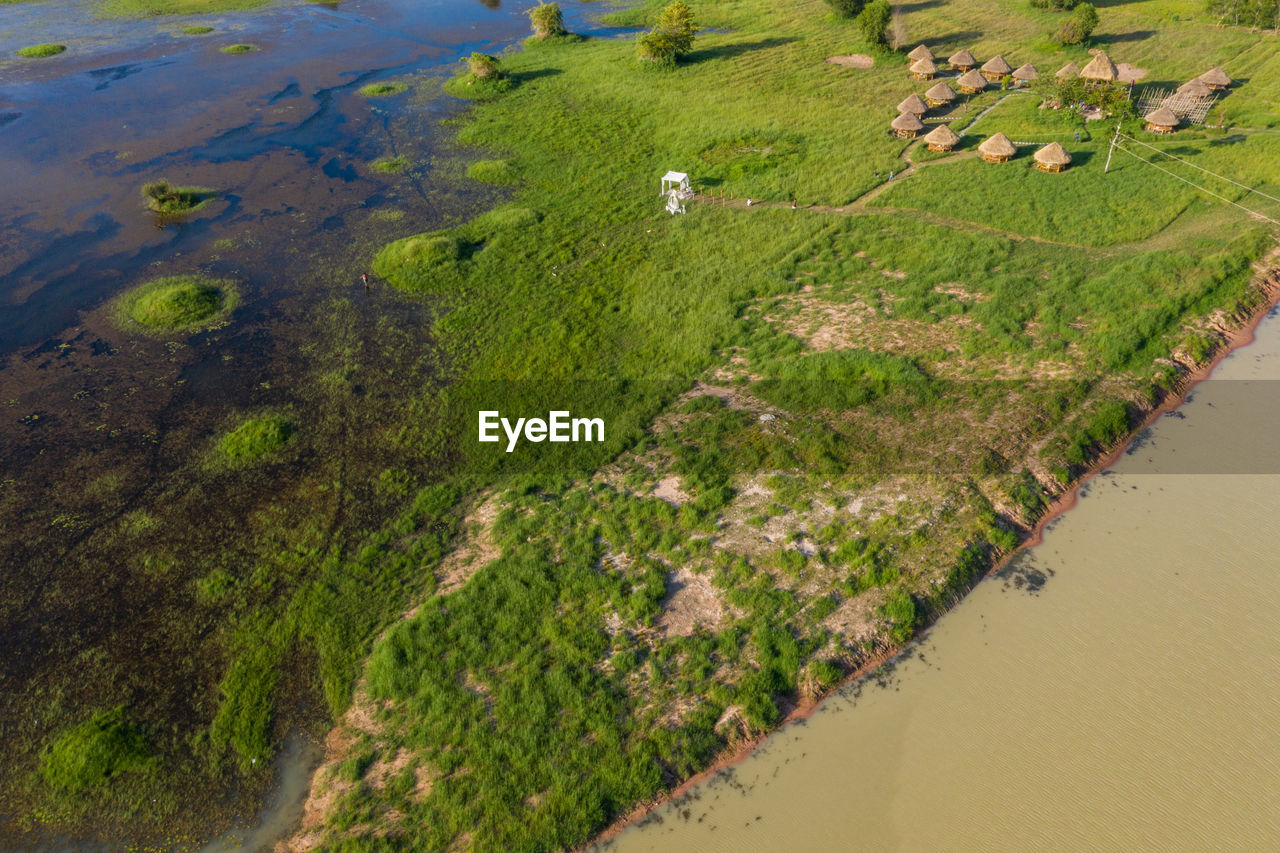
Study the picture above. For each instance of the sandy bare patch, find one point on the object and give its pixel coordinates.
(669, 490)
(381, 771)
(475, 550)
(852, 60)
(691, 602)
(1130, 73)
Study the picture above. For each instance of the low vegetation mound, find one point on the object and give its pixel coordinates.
(256, 438)
(196, 31)
(239, 48)
(178, 302)
(391, 165)
(383, 90)
(483, 80)
(547, 20)
(163, 197)
(39, 51)
(839, 380)
(90, 755)
(492, 171)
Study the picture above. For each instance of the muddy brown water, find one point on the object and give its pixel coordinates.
(1112, 689)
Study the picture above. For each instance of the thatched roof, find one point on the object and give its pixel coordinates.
(1196, 88)
(996, 65)
(1070, 71)
(973, 80)
(941, 92)
(924, 66)
(999, 146)
(908, 121)
(942, 135)
(913, 104)
(1053, 154)
(963, 57)
(1162, 117)
(1026, 72)
(1100, 68)
(1216, 77)
(920, 52)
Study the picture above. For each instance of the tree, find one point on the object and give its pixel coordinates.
(671, 38)
(874, 22)
(1246, 13)
(847, 8)
(1079, 26)
(547, 20)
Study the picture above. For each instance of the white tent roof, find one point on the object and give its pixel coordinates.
(675, 176)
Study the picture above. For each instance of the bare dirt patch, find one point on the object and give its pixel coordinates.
(669, 490)
(1130, 73)
(475, 550)
(691, 602)
(852, 60)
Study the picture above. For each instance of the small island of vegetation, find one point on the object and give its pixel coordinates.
(40, 51)
(163, 197)
(182, 302)
(254, 439)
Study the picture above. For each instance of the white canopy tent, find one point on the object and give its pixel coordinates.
(675, 181)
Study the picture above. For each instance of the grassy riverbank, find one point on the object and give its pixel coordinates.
(885, 394)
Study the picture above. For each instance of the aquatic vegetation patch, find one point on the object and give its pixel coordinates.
(153, 8)
(383, 90)
(198, 30)
(390, 165)
(40, 51)
(238, 48)
(182, 302)
(91, 755)
(256, 438)
(163, 197)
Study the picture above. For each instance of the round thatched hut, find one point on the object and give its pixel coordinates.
(962, 60)
(923, 69)
(913, 104)
(919, 52)
(1100, 71)
(941, 138)
(996, 69)
(1195, 88)
(1024, 74)
(997, 149)
(907, 125)
(1052, 158)
(1162, 120)
(1216, 79)
(972, 82)
(1070, 71)
(940, 94)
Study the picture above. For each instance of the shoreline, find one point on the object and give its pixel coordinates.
(1241, 333)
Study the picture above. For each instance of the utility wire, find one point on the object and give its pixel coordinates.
(1197, 186)
(1201, 168)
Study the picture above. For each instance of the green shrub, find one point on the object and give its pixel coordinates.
(40, 51)
(671, 38)
(383, 90)
(1077, 28)
(874, 22)
(177, 302)
(547, 20)
(163, 197)
(483, 80)
(256, 438)
(847, 8)
(86, 757)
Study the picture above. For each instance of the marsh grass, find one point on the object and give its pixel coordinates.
(88, 757)
(184, 302)
(169, 200)
(390, 165)
(198, 30)
(255, 439)
(40, 51)
(238, 48)
(383, 90)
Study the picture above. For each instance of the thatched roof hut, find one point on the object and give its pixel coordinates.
(1216, 79)
(997, 149)
(907, 125)
(939, 94)
(1052, 158)
(962, 60)
(972, 82)
(1162, 120)
(1195, 88)
(1100, 69)
(918, 53)
(913, 104)
(1070, 71)
(996, 68)
(941, 138)
(923, 69)
(1025, 73)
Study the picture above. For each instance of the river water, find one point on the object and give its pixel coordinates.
(1115, 688)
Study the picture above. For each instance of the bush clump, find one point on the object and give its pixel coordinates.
(671, 39)
(177, 302)
(239, 48)
(256, 438)
(163, 197)
(1077, 28)
(88, 756)
(40, 51)
(874, 22)
(547, 20)
(847, 8)
(383, 90)
(484, 79)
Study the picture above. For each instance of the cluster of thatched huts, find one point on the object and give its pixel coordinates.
(1166, 117)
(972, 77)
